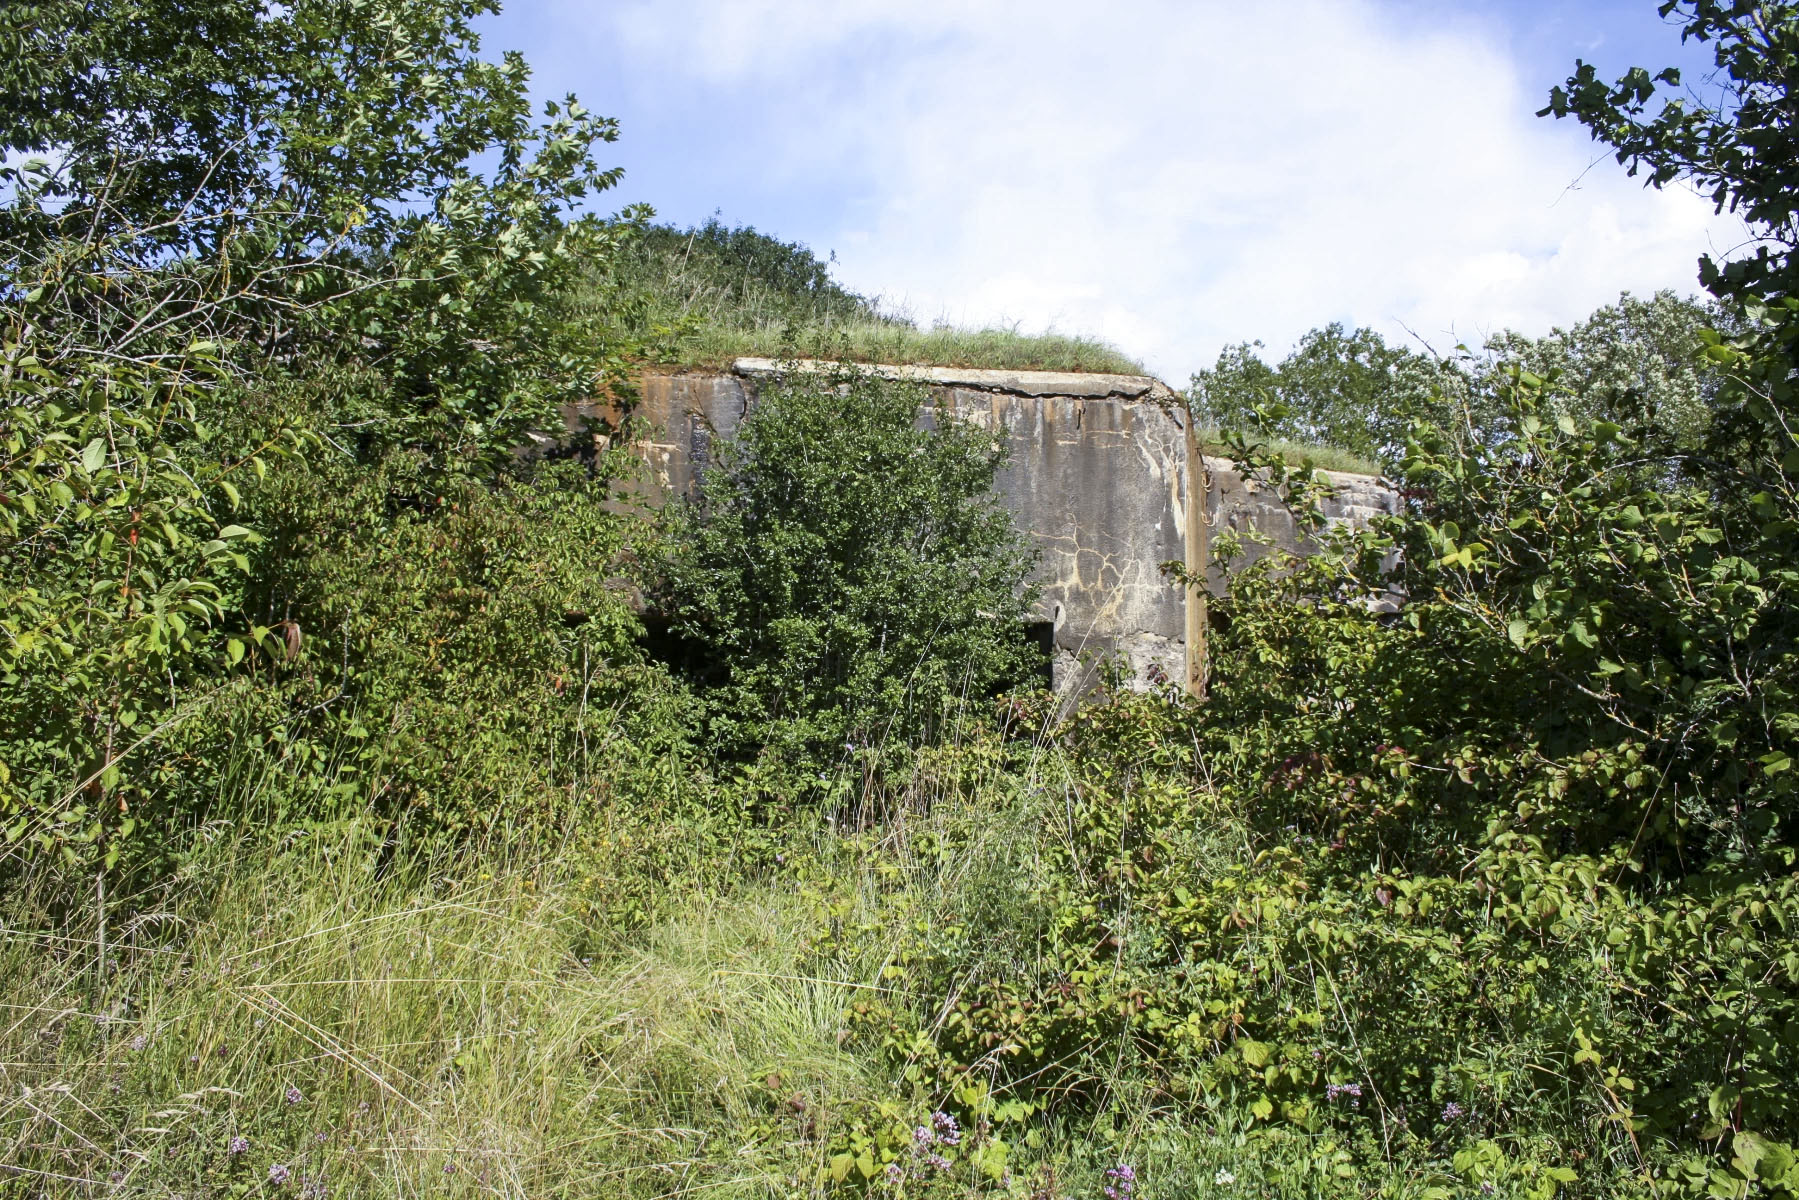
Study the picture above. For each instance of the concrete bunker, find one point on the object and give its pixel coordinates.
(1098, 475)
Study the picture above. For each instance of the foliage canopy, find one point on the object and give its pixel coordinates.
(242, 248)
(1634, 362)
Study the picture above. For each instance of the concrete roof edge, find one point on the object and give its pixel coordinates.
(1078, 384)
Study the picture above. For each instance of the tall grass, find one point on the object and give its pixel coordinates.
(703, 296)
(300, 1015)
(300, 1018)
(904, 344)
(1329, 458)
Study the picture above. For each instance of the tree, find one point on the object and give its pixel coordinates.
(323, 182)
(1737, 140)
(846, 574)
(231, 235)
(1345, 389)
(1741, 147)
(1636, 362)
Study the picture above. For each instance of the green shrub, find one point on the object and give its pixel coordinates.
(122, 574)
(846, 578)
(464, 646)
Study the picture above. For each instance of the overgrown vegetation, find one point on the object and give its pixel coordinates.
(1351, 392)
(882, 588)
(360, 839)
(703, 296)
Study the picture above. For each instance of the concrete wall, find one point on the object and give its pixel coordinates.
(1097, 477)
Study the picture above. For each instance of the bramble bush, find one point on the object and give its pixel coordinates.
(1497, 889)
(1483, 902)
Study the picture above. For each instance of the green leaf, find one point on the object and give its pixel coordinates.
(93, 456)
(1722, 1099)
(1761, 1158)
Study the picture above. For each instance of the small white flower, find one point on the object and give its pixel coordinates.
(1224, 1178)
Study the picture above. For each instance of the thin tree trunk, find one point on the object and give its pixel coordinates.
(100, 937)
(1199, 559)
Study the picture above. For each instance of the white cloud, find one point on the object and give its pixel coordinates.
(1175, 175)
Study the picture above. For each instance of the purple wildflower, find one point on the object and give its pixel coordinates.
(936, 1161)
(1336, 1091)
(895, 1173)
(947, 1131)
(293, 1094)
(923, 1137)
(140, 1041)
(238, 1146)
(315, 1188)
(1121, 1182)
(1453, 1111)
(279, 1174)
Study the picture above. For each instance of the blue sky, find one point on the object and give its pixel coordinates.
(1172, 175)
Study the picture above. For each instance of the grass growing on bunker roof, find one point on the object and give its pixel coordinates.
(702, 296)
